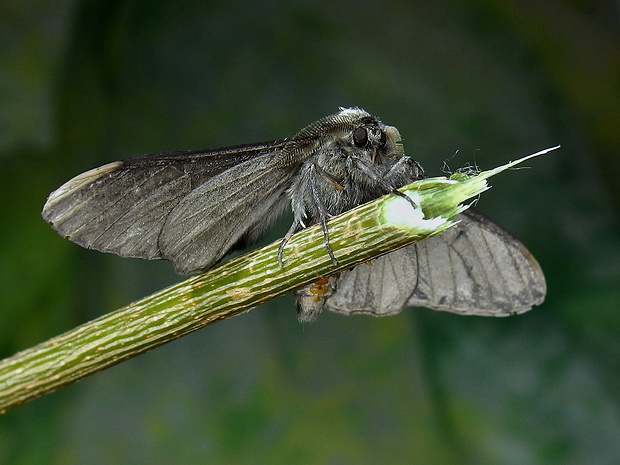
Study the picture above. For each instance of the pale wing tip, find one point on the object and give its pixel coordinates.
(50, 213)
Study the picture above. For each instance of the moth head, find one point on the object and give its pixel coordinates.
(365, 135)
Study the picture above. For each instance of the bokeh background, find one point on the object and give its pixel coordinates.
(86, 82)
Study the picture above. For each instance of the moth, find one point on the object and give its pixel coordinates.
(194, 207)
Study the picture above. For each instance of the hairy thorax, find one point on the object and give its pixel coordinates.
(343, 181)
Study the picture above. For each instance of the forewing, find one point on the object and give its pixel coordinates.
(122, 207)
(473, 268)
(235, 206)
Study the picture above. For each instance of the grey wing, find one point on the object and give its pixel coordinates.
(126, 207)
(474, 268)
(236, 206)
(380, 287)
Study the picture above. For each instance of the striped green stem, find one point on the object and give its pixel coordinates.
(238, 285)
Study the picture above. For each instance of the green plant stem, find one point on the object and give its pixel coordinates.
(236, 286)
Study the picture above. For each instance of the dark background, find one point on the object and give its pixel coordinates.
(83, 83)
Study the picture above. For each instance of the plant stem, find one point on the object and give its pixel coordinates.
(236, 286)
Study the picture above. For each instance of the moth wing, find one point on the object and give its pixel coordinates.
(123, 207)
(224, 213)
(380, 287)
(473, 268)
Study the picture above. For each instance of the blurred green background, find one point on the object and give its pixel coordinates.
(83, 83)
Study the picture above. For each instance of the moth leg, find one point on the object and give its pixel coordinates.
(404, 196)
(405, 171)
(408, 168)
(389, 189)
(296, 226)
(323, 213)
(338, 185)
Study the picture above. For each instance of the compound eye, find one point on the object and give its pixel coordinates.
(360, 137)
(382, 140)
